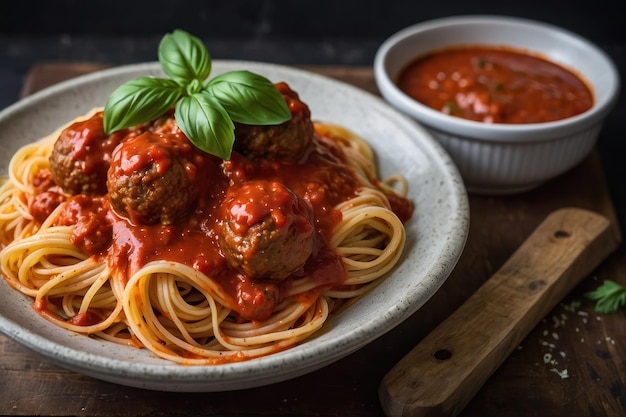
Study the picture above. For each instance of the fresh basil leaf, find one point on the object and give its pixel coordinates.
(205, 111)
(184, 57)
(609, 297)
(206, 123)
(249, 98)
(139, 101)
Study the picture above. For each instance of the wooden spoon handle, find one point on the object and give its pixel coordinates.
(446, 369)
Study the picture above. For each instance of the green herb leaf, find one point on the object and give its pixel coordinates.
(450, 107)
(481, 62)
(249, 98)
(184, 57)
(206, 123)
(139, 101)
(609, 297)
(204, 112)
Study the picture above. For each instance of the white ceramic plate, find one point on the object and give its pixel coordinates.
(436, 236)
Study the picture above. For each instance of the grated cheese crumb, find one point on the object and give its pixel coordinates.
(563, 374)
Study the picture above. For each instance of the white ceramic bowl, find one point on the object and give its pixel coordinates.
(498, 158)
(435, 235)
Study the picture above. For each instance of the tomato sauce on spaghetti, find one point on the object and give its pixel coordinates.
(322, 178)
(199, 259)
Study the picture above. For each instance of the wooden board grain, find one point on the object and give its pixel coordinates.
(444, 371)
(591, 347)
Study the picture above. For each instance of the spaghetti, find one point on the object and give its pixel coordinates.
(212, 283)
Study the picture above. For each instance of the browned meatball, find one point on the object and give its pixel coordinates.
(286, 142)
(267, 231)
(165, 124)
(154, 178)
(81, 155)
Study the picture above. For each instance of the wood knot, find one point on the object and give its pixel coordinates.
(561, 234)
(536, 285)
(443, 355)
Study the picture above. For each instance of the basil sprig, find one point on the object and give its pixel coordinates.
(204, 110)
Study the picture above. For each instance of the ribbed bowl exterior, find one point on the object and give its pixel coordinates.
(494, 167)
(499, 158)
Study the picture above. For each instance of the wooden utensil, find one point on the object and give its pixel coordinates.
(448, 367)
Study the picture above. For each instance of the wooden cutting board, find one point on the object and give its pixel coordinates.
(531, 382)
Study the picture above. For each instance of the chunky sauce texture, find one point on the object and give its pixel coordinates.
(495, 85)
(321, 178)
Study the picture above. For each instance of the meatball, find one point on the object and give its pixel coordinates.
(267, 231)
(81, 155)
(43, 204)
(154, 178)
(286, 142)
(165, 124)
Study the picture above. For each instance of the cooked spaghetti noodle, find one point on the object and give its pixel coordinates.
(166, 286)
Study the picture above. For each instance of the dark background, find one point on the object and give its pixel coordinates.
(286, 32)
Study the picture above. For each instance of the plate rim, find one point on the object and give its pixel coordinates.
(196, 378)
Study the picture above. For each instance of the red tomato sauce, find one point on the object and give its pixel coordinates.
(322, 178)
(495, 85)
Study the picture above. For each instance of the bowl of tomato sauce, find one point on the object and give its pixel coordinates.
(515, 102)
